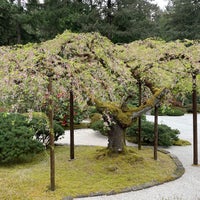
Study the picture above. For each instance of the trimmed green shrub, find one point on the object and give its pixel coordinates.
(174, 111)
(181, 143)
(39, 122)
(98, 126)
(167, 136)
(21, 137)
(189, 108)
(17, 142)
(97, 123)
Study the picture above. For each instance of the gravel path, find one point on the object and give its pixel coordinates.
(185, 188)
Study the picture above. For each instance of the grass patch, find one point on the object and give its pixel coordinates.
(92, 171)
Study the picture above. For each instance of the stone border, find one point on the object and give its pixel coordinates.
(179, 171)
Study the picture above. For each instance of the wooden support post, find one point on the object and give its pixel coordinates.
(51, 132)
(71, 125)
(156, 133)
(195, 134)
(140, 118)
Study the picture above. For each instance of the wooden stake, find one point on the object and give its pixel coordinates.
(156, 133)
(195, 134)
(52, 154)
(71, 125)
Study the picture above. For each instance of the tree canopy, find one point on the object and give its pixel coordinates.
(99, 72)
(92, 64)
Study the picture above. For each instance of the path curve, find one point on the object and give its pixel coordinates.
(185, 188)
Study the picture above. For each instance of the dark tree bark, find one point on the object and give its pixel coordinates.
(109, 15)
(116, 140)
(18, 28)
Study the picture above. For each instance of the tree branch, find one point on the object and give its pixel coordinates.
(153, 101)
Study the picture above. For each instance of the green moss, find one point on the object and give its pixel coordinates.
(157, 93)
(95, 117)
(124, 117)
(85, 174)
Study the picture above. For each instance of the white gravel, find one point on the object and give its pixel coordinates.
(185, 188)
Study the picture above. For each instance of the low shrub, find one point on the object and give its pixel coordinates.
(23, 136)
(98, 124)
(181, 143)
(167, 136)
(174, 111)
(39, 122)
(17, 142)
(189, 108)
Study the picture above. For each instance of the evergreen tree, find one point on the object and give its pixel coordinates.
(128, 20)
(5, 21)
(137, 20)
(181, 20)
(121, 21)
(13, 23)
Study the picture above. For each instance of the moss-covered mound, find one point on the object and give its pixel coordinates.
(92, 172)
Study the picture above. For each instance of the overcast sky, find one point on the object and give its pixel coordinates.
(161, 3)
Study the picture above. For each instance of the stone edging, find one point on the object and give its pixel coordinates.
(179, 171)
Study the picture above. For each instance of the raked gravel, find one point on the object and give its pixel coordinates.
(185, 188)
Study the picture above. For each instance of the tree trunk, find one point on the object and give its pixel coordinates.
(109, 7)
(116, 139)
(18, 28)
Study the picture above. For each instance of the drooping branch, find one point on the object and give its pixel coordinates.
(137, 75)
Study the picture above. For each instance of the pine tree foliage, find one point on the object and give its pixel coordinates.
(181, 20)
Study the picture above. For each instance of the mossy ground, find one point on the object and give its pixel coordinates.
(92, 171)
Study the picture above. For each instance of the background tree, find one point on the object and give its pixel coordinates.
(121, 21)
(126, 20)
(14, 23)
(5, 21)
(181, 20)
(10, 26)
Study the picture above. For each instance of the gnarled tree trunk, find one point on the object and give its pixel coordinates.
(119, 117)
(116, 139)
